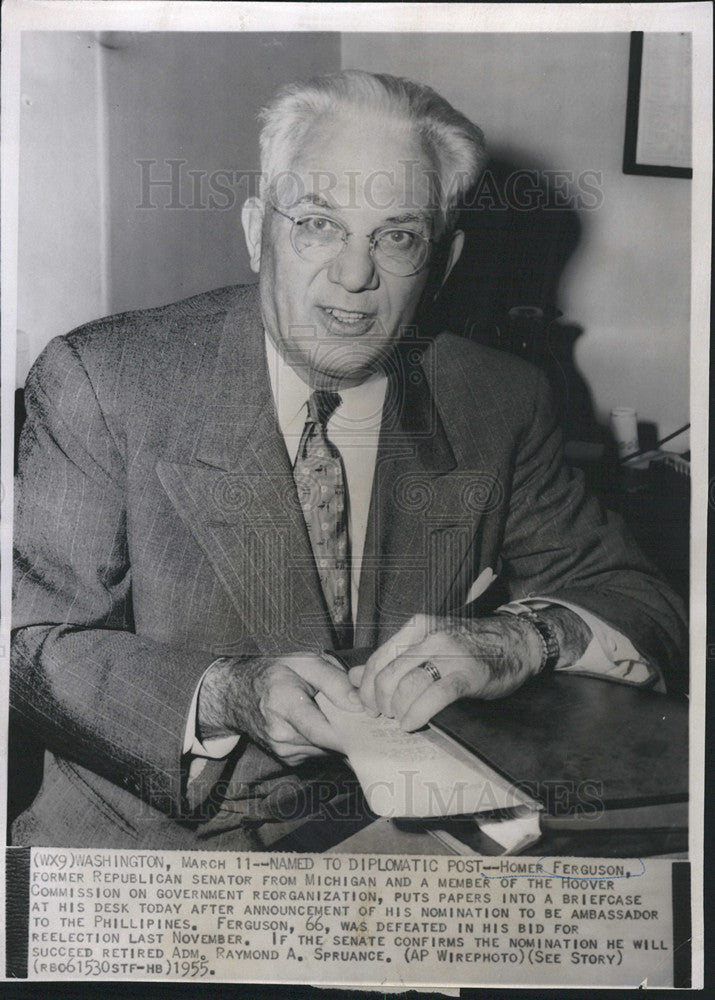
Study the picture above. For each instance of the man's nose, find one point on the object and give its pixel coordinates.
(354, 267)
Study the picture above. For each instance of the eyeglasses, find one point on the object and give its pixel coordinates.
(320, 239)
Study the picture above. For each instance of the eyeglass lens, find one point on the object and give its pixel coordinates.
(397, 251)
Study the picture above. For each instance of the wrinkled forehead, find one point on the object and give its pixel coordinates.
(358, 161)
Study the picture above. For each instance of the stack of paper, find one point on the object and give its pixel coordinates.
(418, 774)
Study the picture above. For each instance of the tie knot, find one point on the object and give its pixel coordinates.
(321, 406)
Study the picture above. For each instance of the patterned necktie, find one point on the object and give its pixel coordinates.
(320, 479)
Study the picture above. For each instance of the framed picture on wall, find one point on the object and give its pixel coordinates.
(658, 139)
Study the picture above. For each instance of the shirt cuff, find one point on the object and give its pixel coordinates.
(609, 653)
(214, 749)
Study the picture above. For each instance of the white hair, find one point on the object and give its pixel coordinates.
(453, 144)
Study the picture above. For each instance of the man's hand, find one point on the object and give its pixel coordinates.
(270, 699)
(482, 658)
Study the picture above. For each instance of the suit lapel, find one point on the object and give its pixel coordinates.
(238, 498)
(422, 524)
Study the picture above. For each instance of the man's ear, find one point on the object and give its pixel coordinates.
(455, 252)
(252, 221)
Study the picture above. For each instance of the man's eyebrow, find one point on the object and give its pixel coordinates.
(314, 199)
(419, 217)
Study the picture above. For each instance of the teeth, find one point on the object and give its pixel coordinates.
(346, 317)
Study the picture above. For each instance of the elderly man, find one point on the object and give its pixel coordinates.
(213, 493)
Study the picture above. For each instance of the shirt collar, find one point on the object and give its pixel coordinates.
(360, 403)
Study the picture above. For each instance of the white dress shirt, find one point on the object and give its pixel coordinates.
(354, 428)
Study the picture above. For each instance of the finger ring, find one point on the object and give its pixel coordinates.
(431, 669)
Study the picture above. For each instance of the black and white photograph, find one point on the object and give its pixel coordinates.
(354, 409)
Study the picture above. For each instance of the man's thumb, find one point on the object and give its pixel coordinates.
(355, 675)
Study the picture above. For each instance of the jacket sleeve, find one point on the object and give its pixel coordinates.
(88, 685)
(559, 542)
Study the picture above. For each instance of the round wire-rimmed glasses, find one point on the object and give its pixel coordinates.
(395, 249)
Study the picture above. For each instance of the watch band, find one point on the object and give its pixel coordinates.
(549, 643)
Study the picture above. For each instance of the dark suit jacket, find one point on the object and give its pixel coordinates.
(157, 528)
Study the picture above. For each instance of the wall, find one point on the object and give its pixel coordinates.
(61, 277)
(96, 104)
(559, 101)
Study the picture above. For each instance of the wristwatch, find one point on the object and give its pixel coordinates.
(549, 643)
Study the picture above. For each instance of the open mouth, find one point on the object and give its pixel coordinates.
(348, 320)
